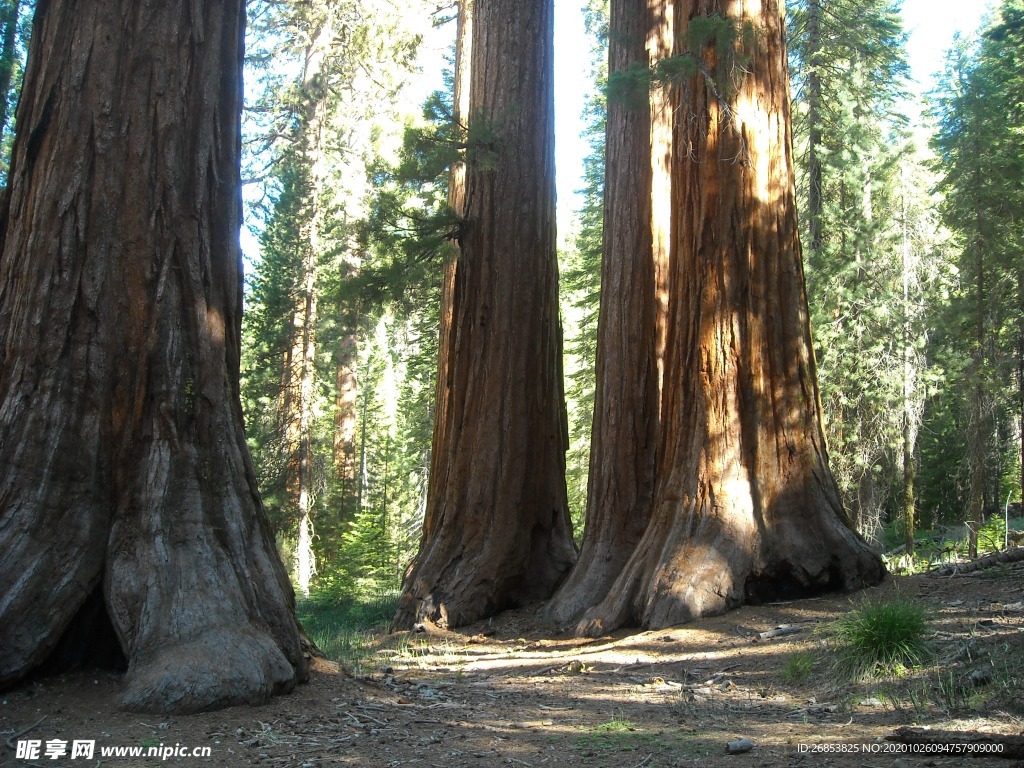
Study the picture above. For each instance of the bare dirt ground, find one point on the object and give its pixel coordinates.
(505, 692)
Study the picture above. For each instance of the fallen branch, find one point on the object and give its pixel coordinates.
(1009, 746)
(779, 632)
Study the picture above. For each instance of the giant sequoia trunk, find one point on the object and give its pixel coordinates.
(497, 530)
(123, 465)
(625, 428)
(745, 507)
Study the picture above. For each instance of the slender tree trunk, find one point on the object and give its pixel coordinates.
(125, 461)
(864, 514)
(814, 134)
(626, 401)
(11, 11)
(1020, 372)
(304, 359)
(313, 143)
(908, 501)
(745, 507)
(498, 532)
(346, 405)
(978, 441)
(457, 202)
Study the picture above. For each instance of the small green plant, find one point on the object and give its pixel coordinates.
(618, 725)
(953, 693)
(880, 638)
(992, 535)
(798, 667)
(619, 735)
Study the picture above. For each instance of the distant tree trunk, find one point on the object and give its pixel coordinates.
(11, 9)
(312, 141)
(814, 129)
(125, 462)
(745, 507)
(345, 407)
(625, 427)
(908, 500)
(978, 434)
(1020, 373)
(301, 420)
(497, 532)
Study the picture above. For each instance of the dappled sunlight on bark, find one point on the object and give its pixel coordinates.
(497, 531)
(745, 507)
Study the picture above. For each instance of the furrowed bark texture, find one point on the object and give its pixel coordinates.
(123, 457)
(497, 532)
(745, 507)
(625, 428)
(457, 202)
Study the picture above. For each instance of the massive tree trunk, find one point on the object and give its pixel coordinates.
(124, 462)
(745, 506)
(625, 427)
(497, 530)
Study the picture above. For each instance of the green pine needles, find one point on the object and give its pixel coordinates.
(881, 638)
(714, 47)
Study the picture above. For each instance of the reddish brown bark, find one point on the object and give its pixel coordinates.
(124, 462)
(745, 506)
(625, 428)
(457, 202)
(497, 531)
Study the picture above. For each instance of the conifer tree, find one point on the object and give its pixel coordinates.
(317, 130)
(980, 122)
(497, 531)
(745, 507)
(849, 68)
(627, 392)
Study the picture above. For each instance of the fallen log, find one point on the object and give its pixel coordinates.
(1015, 555)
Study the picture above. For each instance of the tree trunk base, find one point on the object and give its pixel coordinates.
(587, 583)
(686, 579)
(222, 668)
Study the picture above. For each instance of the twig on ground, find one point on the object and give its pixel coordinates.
(23, 731)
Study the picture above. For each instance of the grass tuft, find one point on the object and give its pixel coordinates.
(798, 667)
(883, 638)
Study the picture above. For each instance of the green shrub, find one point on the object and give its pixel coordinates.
(881, 638)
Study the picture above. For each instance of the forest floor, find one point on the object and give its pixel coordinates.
(506, 692)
